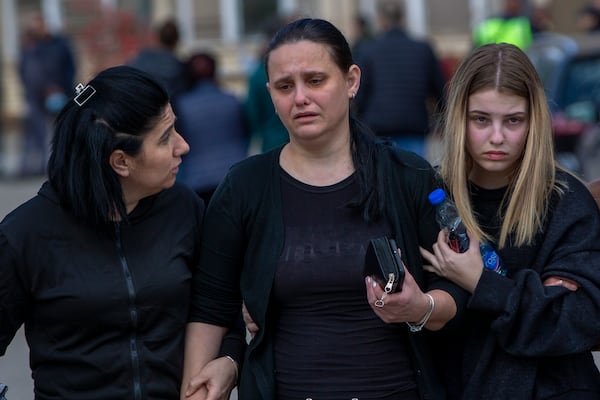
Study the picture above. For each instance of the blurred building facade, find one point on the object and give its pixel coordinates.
(110, 32)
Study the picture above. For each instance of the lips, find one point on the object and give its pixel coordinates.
(304, 115)
(495, 155)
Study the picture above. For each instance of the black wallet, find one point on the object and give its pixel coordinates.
(383, 263)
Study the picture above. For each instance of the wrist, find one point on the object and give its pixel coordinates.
(235, 366)
(417, 326)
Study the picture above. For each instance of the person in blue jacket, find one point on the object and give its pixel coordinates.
(47, 69)
(211, 120)
(98, 265)
(526, 335)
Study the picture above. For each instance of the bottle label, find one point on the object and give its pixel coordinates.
(458, 242)
(491, 260)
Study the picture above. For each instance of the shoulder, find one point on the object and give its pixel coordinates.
(576, 197)
(571, 182)
(405, 169)
(406, 159)
(179, 199)
(179, 192)
(254, 169)
(594, 188)
(42, 210)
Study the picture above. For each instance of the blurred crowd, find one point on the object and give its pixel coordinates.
(223, 127)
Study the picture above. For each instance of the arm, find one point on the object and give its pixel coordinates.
(409, 195)
(202, 342)
(412, 305)
(206, 375)
(532, 318)
(216, 304)
(541, 320)
(14, 300)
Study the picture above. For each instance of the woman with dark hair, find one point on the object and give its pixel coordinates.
(98, 265)
(286, 232)
(526, 335)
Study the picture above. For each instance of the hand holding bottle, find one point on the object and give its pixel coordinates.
(464, 268)
(448, 220)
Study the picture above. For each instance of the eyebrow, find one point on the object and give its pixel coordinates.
(489, 113)
(168, 129)
(304, 75)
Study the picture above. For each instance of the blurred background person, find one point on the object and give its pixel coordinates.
(363, 33)
(588, 17)
(542, 19)
(266, 129)
(512, 26)
(47, 71)
(162, 61)
(212, 122)
(402, 82)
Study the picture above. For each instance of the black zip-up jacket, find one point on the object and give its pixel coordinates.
(104, 314)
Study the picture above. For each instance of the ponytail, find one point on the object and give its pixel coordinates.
(369, 173)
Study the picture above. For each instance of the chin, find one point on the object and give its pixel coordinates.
(168, 185)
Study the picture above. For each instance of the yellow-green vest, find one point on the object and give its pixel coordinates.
(516, 30)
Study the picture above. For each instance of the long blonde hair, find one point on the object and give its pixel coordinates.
(505, 68)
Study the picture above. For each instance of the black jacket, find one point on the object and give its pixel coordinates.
(104, 314)
(401, 78)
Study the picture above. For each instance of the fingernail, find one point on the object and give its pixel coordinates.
(368, 279)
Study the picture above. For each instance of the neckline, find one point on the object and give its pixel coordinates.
(317, 189)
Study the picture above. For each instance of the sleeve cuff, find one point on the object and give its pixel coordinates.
(491, 292)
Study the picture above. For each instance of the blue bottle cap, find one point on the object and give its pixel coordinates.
(437, 196)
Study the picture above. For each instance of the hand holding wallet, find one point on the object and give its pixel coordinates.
(384, 264)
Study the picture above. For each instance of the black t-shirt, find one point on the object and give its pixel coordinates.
(329, 344)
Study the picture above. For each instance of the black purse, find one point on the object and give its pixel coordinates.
(383, 263)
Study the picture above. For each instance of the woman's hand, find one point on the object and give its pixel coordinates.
(250, 324)
(408, 305)
(215, 382)
(464, 269)
(561, 281)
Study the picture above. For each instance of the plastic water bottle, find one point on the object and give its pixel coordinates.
(448, 219)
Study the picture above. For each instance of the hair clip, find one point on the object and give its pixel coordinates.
(83, 93)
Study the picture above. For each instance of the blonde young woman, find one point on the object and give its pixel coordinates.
(527, 335)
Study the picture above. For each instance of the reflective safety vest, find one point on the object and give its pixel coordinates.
(516, 30)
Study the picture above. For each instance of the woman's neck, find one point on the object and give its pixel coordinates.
(324, 167)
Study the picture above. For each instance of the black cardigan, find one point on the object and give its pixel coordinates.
(243, 237)
(523, 340)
